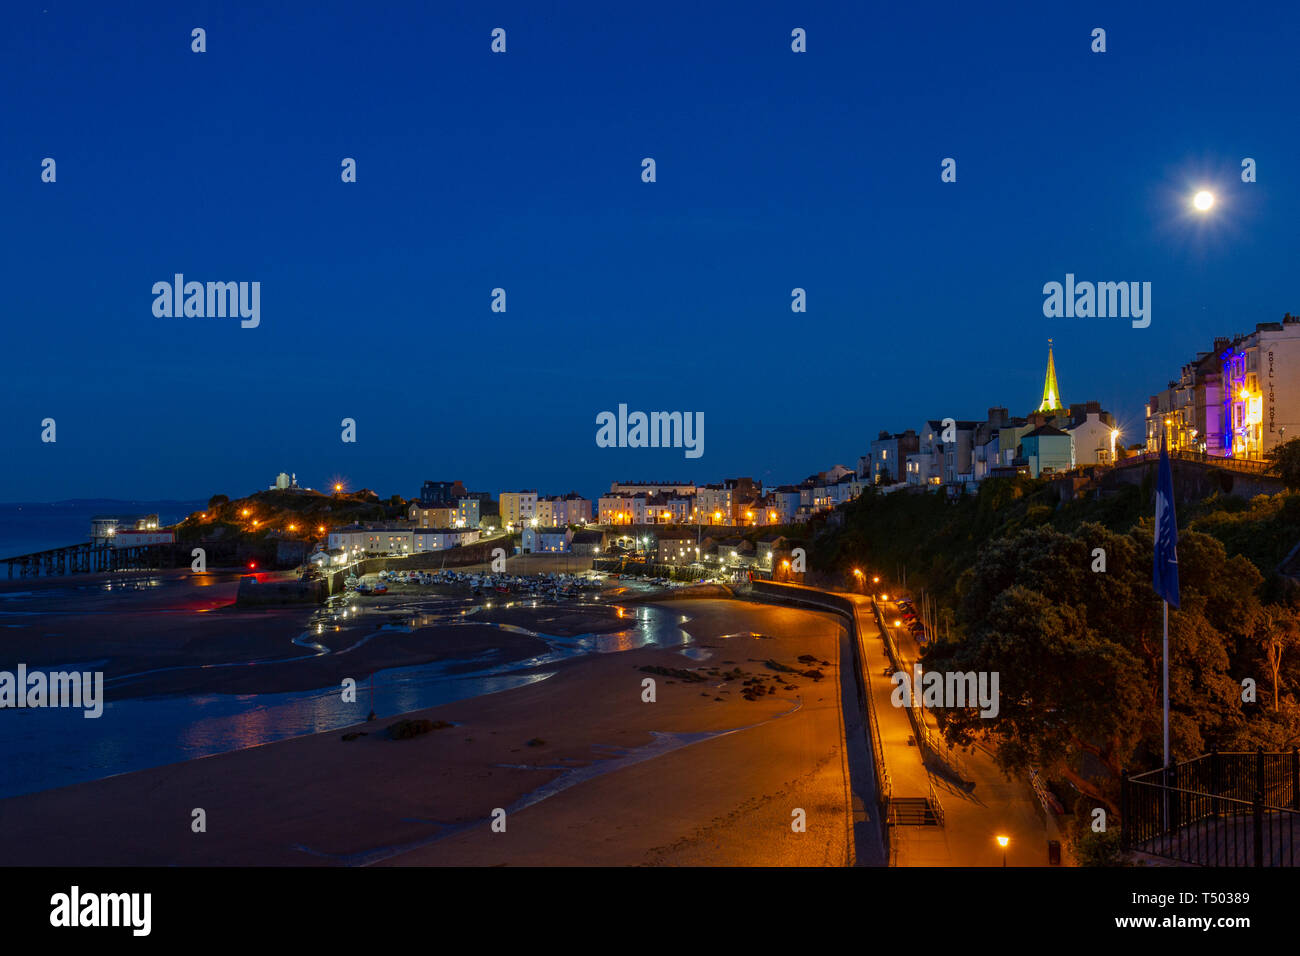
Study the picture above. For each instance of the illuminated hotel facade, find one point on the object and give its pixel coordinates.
(1240, 400)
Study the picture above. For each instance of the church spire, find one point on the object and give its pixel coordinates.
(1051, 392)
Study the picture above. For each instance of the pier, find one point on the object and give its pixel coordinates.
(88, 558)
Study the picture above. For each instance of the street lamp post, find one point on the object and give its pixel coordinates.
(1002, 842)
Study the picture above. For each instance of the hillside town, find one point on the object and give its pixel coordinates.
(1230, 405)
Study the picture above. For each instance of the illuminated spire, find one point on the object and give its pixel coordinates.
(1051, 392)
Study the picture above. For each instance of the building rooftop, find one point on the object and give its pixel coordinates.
(1046, 430)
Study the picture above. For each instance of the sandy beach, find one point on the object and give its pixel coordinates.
(737, 745)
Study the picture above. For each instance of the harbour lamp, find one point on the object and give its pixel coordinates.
(1002, 842)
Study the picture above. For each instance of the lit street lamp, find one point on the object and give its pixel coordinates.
(1002, 842)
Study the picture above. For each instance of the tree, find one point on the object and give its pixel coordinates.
(1078, 652)
(216, 501)
(1279, 631)
(1284, 461)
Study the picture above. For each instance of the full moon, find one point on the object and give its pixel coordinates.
(1203, 200)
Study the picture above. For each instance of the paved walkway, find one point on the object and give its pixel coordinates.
(974, 818)
(902, 758)
(979, 802)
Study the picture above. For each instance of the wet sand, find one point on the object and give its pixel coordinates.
(179, 633)
(586, 771)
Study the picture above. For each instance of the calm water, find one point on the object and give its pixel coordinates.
(26, 528)
(45, 748)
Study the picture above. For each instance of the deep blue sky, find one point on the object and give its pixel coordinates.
(522, 170)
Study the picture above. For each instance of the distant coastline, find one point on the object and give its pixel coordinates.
(29, 526)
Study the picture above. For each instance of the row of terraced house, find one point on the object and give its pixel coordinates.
(960, 453)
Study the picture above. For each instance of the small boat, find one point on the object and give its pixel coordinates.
(379, 589)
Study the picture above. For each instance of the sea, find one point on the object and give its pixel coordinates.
(57, 747)
(27, 527)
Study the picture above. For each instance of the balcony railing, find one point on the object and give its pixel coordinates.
(1219, 809)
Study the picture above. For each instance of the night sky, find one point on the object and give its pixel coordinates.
(477, 170)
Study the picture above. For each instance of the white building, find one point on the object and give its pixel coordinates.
(713, 503)
(440, 539)
(393, 539)
(103, 528)
(785, 501)
(682, 488)
(547, 540)
(130, 538)
(1091, 440)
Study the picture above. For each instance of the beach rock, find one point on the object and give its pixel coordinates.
(677, 672)
(406, 729)
(773, 665)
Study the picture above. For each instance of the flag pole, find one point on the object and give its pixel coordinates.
(1165, 662)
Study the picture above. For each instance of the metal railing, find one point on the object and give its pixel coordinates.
(1219, 809)
(798, 594)
(935, 806)
(877, 744)
(1250, 465)
(928, 740)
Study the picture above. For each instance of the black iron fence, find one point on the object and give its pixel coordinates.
(1219, 809)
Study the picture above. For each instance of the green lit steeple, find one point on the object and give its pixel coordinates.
(1051, 391)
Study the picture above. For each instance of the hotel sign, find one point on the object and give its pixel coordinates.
(1272, 408)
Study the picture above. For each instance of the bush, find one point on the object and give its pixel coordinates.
(1098, 849)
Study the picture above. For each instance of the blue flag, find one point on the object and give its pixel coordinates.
(1165, 572)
